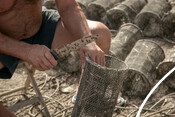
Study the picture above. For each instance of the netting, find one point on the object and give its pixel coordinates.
(142, 62)
(99, 88)
(166, 65)
(125, 40)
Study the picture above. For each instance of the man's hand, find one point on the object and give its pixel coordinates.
(94, 52)
(39, 57)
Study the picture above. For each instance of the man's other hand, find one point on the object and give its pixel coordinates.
(94, 52)
(39, 57)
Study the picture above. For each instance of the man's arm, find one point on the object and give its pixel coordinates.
(13, 47)
(73, 18)
(37, 55)
(75, 21)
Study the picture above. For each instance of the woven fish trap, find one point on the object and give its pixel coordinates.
(149, 19)
(125, 40)
(127, 9)
(165, 66)
(142, 62)
(168, 63)
(99, 88)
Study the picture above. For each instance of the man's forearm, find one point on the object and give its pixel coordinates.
(13, 47)
(73, 18)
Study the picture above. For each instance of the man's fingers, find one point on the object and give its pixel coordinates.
(92, 56)
(103, 61)
(51, 59)
(42, 67)
(82, 57)
(98, 60)
(46, 63)
(38, 67)
(94, 53)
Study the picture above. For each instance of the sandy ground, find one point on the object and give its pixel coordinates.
(58, 87)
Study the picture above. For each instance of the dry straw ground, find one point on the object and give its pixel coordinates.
(155, 19)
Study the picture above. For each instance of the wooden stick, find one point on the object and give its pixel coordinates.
(34, 84)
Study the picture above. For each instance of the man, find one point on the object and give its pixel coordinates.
(27, 33)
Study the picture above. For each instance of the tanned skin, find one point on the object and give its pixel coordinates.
(21, 19)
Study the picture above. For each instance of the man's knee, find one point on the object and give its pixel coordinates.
(1, 65)
(101, 29)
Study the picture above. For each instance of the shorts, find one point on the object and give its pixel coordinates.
(44, 37)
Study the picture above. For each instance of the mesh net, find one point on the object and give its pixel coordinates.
(125, 40)
(99, 88)
(142, 62)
